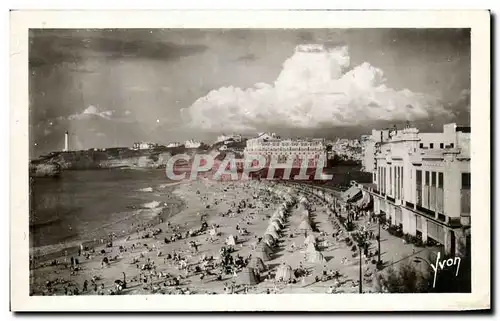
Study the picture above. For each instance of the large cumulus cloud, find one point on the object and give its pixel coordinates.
(314, 89)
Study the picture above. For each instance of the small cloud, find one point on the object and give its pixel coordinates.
(127, 112)
(92, 111)
(101, 134)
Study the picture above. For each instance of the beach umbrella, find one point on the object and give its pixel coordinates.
(260, 253)
(284, 273)
(305, 226)
(230, 240)
(315, 257)
(257, 264)
(247, 277)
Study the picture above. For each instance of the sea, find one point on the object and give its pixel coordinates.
(88, 205)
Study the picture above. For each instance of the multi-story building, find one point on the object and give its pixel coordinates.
(192, 143)
(421, 182)
(235, 137)
(368, 143)
(287, 151)
(144, 145)
(174, 144)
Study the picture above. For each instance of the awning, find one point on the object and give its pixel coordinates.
(364, 201)
(352, 194)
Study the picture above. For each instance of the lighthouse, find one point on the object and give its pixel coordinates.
(66, 141)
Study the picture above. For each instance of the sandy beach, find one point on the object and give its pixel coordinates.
(232, 237)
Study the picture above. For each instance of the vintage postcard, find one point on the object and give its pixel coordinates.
(250, 161)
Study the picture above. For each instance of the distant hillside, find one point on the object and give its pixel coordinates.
(118, 157)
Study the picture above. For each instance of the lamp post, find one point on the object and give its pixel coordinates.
(360, 270)
(378, 240)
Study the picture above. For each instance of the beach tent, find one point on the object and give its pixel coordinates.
(305, 226)
(310, 239)
(273, 233)
(269, 239)
(230, 240)
(352, 194)
(284, 273)
(261, 254)
(364, 201)
(315, 257)
(257, 264)
(213, 232)
(277, 219)
(272, 228)
(266, 248)
(276, 225)
(311, 247)
(247, 277)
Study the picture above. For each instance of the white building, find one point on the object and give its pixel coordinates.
(222, 138)
(174, 144)
(192, 143)
(144, 145)
(287, 150)
(421, 182)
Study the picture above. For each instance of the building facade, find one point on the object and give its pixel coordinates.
(144, 145)
(174, 144)
(235, 137)
(192, 143)
(287, 151)
(421, 182)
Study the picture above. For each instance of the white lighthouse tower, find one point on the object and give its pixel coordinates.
(66, 141)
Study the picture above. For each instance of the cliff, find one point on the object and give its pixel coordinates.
(97, 159)
(44, 170)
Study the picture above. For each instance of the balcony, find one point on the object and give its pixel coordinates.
(416, 159)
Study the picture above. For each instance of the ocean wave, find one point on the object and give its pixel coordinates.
(151, 205)
(46, 223)
(146, 189)
(169, 184)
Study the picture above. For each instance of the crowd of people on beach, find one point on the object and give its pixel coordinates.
(164, 257)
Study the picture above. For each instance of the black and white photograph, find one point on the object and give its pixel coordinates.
(186, 162)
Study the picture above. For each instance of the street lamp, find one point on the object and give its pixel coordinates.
(379, 217)
(360, 270)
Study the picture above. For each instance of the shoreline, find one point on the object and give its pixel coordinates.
(175, 206)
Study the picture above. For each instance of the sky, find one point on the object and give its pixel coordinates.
(113, 87)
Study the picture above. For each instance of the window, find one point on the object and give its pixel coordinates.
(440, 180)
(433, 178)
(441, 145)
(427, 181)
(419, 187)
(431, 145)
(465, 180)
(452, 145)
(421, 145)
